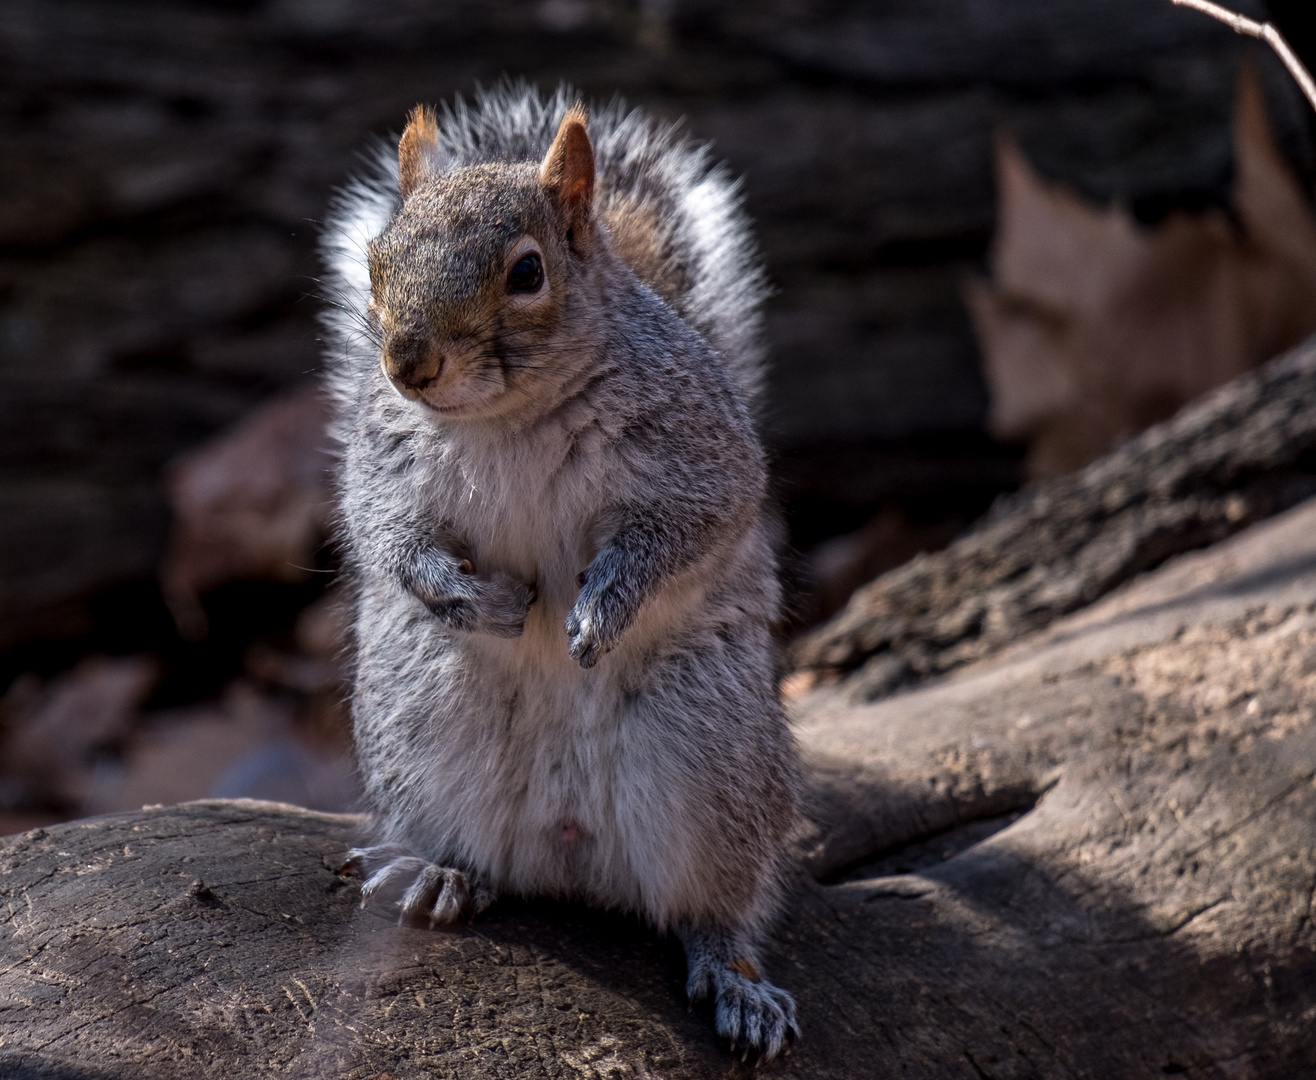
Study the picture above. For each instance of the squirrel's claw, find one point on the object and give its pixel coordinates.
(582, 642)
(755, 1016)
(598, 620)
(424, 892)
(586, 642)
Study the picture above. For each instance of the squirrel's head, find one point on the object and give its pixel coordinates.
(476, 283)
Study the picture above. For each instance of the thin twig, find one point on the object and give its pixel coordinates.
(1264, 31)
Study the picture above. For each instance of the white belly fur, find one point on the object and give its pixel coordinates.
(541, 775)
(538, 774)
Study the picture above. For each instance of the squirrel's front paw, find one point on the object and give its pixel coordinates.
(497, 605)
(594, 625)
(502, 604)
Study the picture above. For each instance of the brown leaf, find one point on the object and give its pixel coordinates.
(1093, 327)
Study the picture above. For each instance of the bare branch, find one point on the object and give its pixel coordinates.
(1263, 31)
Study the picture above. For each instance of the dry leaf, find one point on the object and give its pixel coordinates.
(52, 732)
(1093, 327)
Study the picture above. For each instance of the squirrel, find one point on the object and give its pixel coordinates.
(544, 356)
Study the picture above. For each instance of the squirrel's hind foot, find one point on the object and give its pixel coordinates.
(424, 892)
(757, 1017)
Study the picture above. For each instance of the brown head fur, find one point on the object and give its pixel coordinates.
(459, 329)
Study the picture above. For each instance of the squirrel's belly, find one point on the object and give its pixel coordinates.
(545, 778)
(556, 776)
(549, 820)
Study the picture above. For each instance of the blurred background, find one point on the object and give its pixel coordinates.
(1004, 236)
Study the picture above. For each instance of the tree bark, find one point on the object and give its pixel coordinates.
(1240, 454)
(1088, 856)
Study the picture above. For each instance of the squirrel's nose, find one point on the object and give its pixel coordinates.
(411, 363)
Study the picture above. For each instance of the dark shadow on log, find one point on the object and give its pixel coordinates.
(925, 852)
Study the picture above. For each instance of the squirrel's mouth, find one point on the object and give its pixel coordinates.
(443, 410)
(452, 411)
(417, 396)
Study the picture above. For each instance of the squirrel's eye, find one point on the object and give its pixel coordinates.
(527, 275)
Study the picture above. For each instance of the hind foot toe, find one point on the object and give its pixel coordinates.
(423, 891)
(757, 1017)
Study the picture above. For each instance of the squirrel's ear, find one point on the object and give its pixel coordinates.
(567, 175)
(418, 149)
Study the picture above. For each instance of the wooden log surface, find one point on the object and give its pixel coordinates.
(1089, 856)
(1239, 454)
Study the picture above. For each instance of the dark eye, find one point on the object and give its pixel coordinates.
(527, 275)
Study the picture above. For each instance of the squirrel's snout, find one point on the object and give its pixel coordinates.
(411, 364)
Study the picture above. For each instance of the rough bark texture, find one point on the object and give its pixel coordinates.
(1240, 454)
(1088, 857)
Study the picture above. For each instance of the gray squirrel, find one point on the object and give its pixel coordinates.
(553, 510)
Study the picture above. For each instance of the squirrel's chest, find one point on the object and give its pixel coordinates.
(527, 508)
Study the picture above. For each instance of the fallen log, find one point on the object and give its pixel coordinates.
(1088, 856)
(1240, 454)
